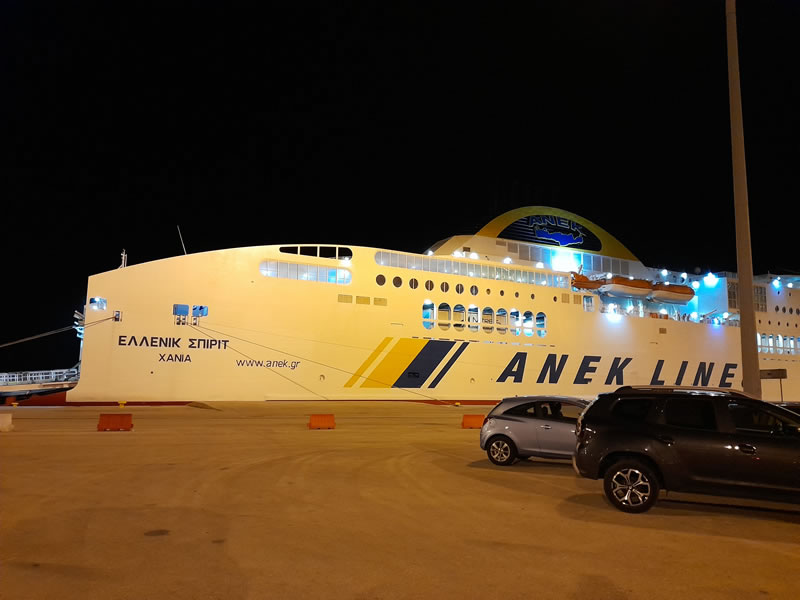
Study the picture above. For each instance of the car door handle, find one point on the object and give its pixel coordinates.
(747, 448)
(545, 426)
(665, 439)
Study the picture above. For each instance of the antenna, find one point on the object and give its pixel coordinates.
(179, 235)
(124, 259)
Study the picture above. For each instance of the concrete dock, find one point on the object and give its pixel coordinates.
(242, 501)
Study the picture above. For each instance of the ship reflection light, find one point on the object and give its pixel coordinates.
(725, 315)
(789, 284)
(663, 311)
(564, 261)
(540, 265)
(507, 260)
(710, 280)
(695, 284)
(694, 316)
(776, 282)
(474, 256)
(664, 272)
(684, 276)
(609, 275)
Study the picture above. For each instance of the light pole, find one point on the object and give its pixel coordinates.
(751, 375)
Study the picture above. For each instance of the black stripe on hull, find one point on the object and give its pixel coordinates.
(423, 364)
(449, 364)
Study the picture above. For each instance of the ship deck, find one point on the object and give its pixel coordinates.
(243, 501)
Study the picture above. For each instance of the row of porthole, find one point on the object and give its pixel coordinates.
(462, 317)
(783, 309)
(779, 323)
(444, 286)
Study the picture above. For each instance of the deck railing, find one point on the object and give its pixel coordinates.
(25, 377)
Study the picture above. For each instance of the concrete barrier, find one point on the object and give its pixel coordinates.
(322, 422)
(472, 421)
(115, 422)
(5, 423)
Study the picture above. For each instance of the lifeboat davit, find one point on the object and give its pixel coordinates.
(623, 287)
(582, 282)
(671, 294)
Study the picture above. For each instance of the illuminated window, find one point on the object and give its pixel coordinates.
(443, 317)
(527, 323)
(516, 321)
(98, 303)
(427, 314)
(541, 324)
(588, 303)
(487, 319)
(502, 320)
(472, 317)
(459, 316)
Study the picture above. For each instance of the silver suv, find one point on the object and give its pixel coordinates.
(525, 426)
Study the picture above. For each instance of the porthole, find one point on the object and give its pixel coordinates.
(429, 285)
(776, 309)
(516, 295)
(445, 287)
(769, 322)
(473, 290)
(502, 293)
(413, 283)
(791, 310)
(779, 323)
(488, 292)
(783, 309)
(380, 280)
(459, 288)
(555, 299)
(533, 297)
(397, 282)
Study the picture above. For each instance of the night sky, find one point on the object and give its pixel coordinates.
(388, 124)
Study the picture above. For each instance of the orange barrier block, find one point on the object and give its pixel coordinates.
(321, 422)
(115, 422)
(472, 421)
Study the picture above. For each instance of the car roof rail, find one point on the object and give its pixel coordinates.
(667, 389)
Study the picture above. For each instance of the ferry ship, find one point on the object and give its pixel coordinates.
(539, 301)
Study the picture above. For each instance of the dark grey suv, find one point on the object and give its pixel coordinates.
(642, 439)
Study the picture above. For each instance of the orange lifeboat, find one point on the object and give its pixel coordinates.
(671, 294)
(582, 282)
(623, 287)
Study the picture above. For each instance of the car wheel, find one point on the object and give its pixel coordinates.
(631, 486)
(501, 451)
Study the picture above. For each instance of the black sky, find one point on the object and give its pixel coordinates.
(385, 124)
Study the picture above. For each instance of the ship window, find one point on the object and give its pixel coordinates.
(524, 252)
(488, 320)
(345, 253)
(343, 276)
(501, 320)
(180, 310)
(429, 285)
(444, 312)
(472, 317)
(459, 288)
(541, 324)
(771, 343)
(445, 287)
(444, 316)
(427, 314)
(413, 283)
(393, 259)
(779, 343)
(397, 282)
(459, 316)
(283, 270)
(199, 311)
(565, 298)
(292, 274)
(308, 250)
(327, 251)
(624, 267)
(288, 249)
(98, 303)
(473, 290)
(527, 323)
(269, 268)
(783, 309)
(401, 261)
(588, 303)
(380, 280)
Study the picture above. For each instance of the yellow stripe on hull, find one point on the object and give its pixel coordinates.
(392, 366)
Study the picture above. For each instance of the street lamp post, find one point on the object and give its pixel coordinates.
(751, 375)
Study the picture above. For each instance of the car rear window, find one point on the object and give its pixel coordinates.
(633, 410)
(694, 413)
